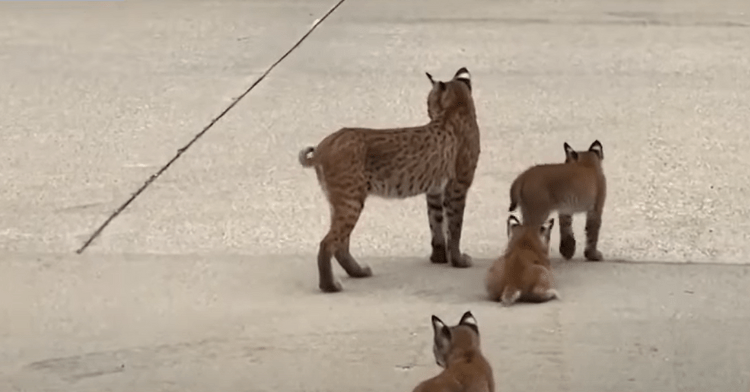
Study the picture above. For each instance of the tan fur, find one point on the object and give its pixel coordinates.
(458, 352)
(437, 159)
(523, 272)
(576, 186)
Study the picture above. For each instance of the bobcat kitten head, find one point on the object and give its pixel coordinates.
(445, 96)
(464, 335)
(457, 351)
(594, 155)
(516, 231)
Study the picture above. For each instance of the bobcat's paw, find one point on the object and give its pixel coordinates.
(464, 261)
(438, 255)
(364, 272)
(330, 287)
(593, 255)
(567, 247)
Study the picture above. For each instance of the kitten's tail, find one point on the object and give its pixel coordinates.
(510, 295)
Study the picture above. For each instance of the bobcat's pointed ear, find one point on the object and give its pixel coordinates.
(468, 320)
(512, 224)
(441, 331)
(430, 77)
(596, 148)
(546, 230)
(463, 75)
(437, 324)
(570, 153)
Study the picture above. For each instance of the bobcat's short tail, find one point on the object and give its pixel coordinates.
(304, 159)
(510, 295)
(515, 189)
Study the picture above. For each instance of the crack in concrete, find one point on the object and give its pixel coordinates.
(205, 129)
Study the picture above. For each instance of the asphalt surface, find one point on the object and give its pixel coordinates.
(207, 280)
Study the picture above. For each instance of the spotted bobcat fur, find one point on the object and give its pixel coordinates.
(437, 159)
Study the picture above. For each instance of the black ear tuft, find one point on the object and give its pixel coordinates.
(596, 148)
(469, 320)
(462, 73)
(437, 325)
(511, 223)
(464, 76)
(430, 77)
(547, 226)
(441, 331)
(570, 153)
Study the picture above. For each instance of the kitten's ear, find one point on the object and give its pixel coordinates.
(468, 320)
(546, 230)
(512, 224)
(570, 153)
(441, 331)
(596, 148)
(430, 77)
(463, 75)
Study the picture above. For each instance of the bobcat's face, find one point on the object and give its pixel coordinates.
(447, 94)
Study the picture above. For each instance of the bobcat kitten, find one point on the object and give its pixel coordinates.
(578, 185)
(523, 272)
(457, 351)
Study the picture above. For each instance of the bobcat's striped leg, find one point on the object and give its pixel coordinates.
(344, 215)
(435, 215)
(567, 240)
(349, 264)
(593, 224)
(454, 203)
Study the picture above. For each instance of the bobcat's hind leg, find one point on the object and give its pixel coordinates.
(454, 204)
(349, 264)
(567, 240)
(435, 215)
(593, 224)
(344, 215)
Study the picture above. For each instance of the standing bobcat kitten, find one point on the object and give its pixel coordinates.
(437, 159)
(457, 351)
(578, 185)
(523, 272)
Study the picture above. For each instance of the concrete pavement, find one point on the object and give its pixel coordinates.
(207, 281)
(238, 323)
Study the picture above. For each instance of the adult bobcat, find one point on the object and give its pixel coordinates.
(523, 271)
(578, 185)
(437, 159)
(457, 351)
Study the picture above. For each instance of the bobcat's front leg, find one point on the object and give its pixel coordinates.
(454, 203)
(435, 215)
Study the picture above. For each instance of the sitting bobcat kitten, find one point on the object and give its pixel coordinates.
(437, 159)
(523, 272)
(578, 185)
(457, 351)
